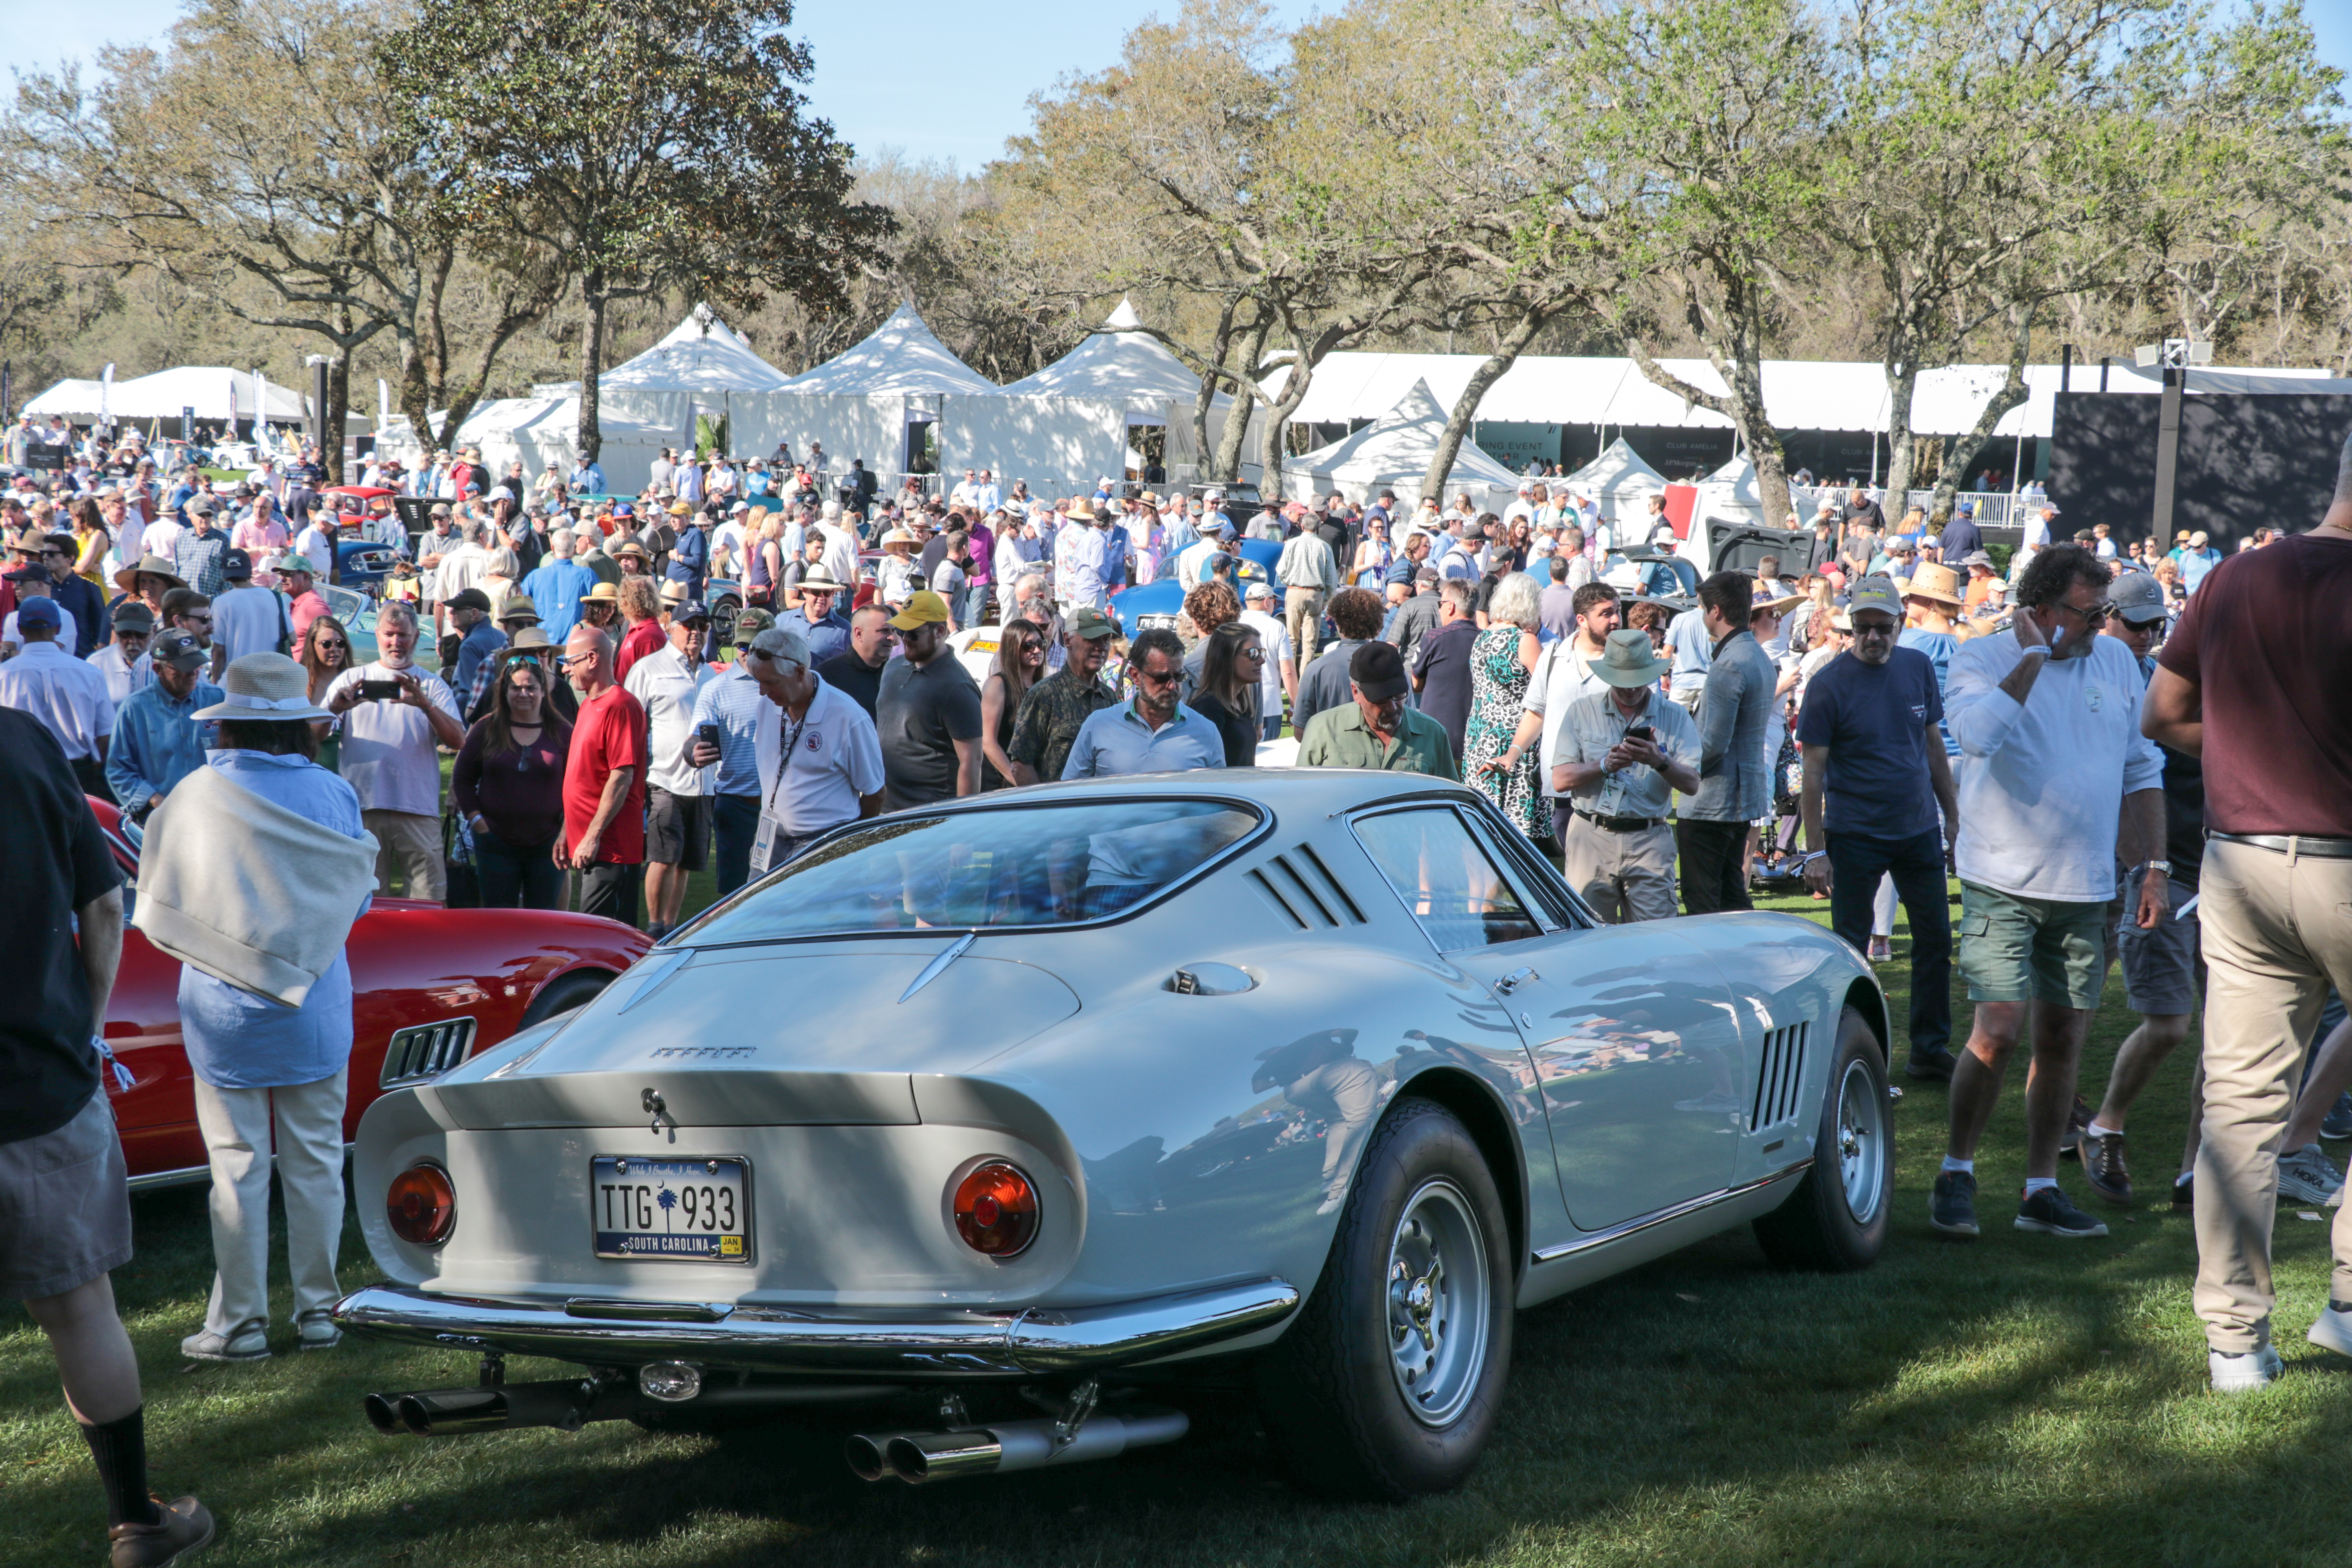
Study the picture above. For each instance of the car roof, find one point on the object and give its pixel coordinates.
(1297, 793)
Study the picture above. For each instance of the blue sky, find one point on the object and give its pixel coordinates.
(938, 79)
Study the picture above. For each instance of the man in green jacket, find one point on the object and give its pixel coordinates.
(1378, 730)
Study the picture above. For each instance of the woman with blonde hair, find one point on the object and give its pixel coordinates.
(899, 573)
(91, 542)
(1020, 665)
(498, 580)
(1501, 660)
(324, 654)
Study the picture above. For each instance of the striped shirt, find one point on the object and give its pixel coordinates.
(733, 702)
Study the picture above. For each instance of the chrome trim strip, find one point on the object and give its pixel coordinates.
(1007, 1343)
(939, 965)
(1688, 1206)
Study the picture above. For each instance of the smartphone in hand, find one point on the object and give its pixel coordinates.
(379, 690)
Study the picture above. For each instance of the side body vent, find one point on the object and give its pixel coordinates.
(1299, 884)
(1780, 1076)
(426, 1050)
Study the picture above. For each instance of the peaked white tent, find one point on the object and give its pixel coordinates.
(74, 399)
(206, 389)
(1731, 491)
(543, 433)
(1118, 361)
(1618, 474)
(701, 353)
(864, 402)
(1393, 452)
(902, 356)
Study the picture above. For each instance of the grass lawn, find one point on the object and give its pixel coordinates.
(2017, 1401)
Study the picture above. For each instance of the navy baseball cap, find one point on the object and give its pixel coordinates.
(33, 613)
(236, 565)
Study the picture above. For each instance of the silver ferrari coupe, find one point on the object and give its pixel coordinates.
(996, 1129)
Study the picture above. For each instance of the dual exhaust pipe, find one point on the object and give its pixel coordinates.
(917, 1457)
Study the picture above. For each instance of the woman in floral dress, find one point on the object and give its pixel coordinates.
(1500, 662)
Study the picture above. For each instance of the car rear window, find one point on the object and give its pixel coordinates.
(994, 868)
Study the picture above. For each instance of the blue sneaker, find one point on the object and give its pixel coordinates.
(2337, 1123)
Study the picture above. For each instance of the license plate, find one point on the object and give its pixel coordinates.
(699, 1210)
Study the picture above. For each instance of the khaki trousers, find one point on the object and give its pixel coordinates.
(1302, 617)
(1623, 876)
(2277, 931)
(414, 842)
(237, 1124)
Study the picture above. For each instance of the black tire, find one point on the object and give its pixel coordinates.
(722, 618)
(576, 989)
(1330, 1390)
(1818, 1226)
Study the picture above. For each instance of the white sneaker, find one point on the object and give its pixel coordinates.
(318, 1329)
(2237, 1373)
(249, 1340)
(2307, 1175)
(2332, 1329)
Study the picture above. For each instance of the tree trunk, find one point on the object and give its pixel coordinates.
(336, 416)
(1902, 381)
(1277, 430)
(1963, 448)
(1466, 407)
(1206, 399)
(591, 361)
(1227, 465)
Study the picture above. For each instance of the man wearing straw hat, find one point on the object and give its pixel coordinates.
(258, 919)
(1617, 756)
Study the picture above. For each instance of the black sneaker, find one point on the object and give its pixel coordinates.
(2053, 1213)
(2103, 1166)
(1934, 1063)
(2078, 1123)
(2337, 1123)
(1952, 1207)
(2184, 1193)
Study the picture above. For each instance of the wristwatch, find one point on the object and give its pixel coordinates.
(2163, 866)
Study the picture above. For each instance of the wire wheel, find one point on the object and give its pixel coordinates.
(1438, 1309)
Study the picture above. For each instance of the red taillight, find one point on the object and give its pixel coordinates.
(421, 1204)
(996, 1210)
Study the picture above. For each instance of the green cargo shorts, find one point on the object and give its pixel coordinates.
(2014, 949)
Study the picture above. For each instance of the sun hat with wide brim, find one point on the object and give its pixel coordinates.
(1630, 660)
(151, 566)
(266, 688)
(1934, 581)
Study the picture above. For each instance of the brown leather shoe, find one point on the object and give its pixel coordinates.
(186, 1530)
(2103, 1166)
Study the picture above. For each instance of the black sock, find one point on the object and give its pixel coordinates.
(119, 1448)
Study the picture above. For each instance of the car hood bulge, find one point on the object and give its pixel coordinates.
(802, 1035)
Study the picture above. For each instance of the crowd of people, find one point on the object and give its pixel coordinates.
(1906, 707)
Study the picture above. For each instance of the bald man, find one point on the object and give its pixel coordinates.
(603, 782)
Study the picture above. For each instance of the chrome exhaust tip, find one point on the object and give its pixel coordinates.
(916, 1457)
(381, 1416)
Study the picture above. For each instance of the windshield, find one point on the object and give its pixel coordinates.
(997, 868)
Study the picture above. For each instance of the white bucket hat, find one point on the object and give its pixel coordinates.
(265, 688)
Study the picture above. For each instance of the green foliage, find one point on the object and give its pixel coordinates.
(709, 435)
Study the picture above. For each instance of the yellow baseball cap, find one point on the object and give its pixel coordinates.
(924, 609)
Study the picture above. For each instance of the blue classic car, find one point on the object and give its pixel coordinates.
(1159, 603)
(1101, 1094)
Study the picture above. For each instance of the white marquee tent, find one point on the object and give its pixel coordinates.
(1617, 476)
(902, 356)
(543, 433)
(1731, 492)
(75, 400)
(1393, 452)
(862, 402)
(1118, 361)
(206, 389)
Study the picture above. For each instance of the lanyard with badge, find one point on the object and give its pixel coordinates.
(764, 845)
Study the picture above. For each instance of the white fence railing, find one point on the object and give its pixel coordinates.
(1993, 510)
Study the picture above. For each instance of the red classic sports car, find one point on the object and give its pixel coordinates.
(430, 986)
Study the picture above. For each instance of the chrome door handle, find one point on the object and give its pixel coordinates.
(1513, 980)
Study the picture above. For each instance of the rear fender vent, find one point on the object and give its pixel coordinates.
(1297, 883)
(1780, 1076)
(426, 1051)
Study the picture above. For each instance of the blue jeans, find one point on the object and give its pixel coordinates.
(737, 819)
(1856, 862)
(973, 611)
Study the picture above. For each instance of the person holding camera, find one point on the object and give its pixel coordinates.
(395, 716)
(1616, 758)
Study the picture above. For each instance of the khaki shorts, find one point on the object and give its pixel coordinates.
(2016, 949)
(65, 1205)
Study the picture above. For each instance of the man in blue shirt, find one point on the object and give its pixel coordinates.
(1155, 733)
(587, 479)
(2196, 561)
(1961, 536)
(1876, 776)
(156, 743)
(470, 613)
(823, 627)
(556, 586)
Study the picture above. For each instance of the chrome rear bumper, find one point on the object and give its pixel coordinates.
(1026, 1341)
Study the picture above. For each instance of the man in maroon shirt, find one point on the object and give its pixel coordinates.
(603, 782)
(2255, 681)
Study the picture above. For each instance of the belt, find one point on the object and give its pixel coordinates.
(1621, 824)
(2291, 844)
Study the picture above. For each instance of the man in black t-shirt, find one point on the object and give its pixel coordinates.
(64, 1198)
(856, 670)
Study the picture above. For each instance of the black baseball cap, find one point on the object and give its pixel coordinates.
(1378, 671)
(236, 565)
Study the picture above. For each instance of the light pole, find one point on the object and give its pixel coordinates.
(2174, 355)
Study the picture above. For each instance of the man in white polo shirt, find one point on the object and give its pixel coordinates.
(393, 715)
(678, 794)
(820, 755)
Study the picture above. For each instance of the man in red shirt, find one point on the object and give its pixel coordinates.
(603, 782)
(2255, 683)
(641, 609)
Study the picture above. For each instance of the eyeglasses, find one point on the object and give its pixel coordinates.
(1144, 677)
(2091, 616)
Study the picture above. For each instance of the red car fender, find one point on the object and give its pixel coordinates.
(411, 964)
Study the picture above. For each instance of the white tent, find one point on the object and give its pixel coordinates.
(543, 433)
(1731, 491)
(205, 388)
(75, 400)
(1118, 363)
(899, 356)
(701, 353)
(1617, 474)
(1393, 452)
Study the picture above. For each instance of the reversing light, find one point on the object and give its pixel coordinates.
(996, 1210)
(421, 1204)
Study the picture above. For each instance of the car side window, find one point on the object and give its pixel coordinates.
(1446, 878)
